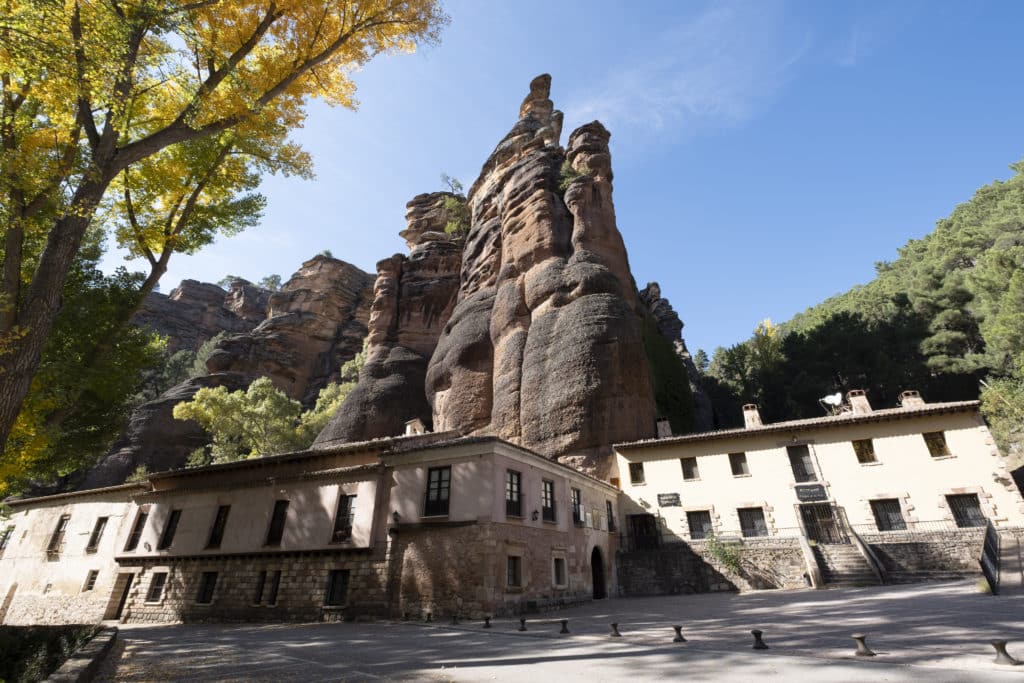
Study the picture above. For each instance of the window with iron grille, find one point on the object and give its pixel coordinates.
(277, 520)
(275, 584)
(57, 539)
(514, 572)
(547, 500)
(865, 450)
(966, 510)
(261, 582)
(439, 481)
(137, 528)
(167, 537)
(96, 535)
(936, 442)
(337, 588)
(636, 473)
(156, 587)
(699, 522)
(577, 507)
(513, 493)
(801, 463)
(752, 522)
(738, 463)
(888, 514)
(5, 537)
(611, 515)
(220, 522)
(207, 585)
(559, 569)
(690, 471)
(90, 580)
(343, 519)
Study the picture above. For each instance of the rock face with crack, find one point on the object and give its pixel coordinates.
(544, 345)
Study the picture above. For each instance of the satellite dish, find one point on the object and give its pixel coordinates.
(834, 399)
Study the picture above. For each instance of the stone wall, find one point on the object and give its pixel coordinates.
(915, 555)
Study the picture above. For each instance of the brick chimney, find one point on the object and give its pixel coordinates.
(751, 416)
(858, 401)
(664, 428)
(911, 399)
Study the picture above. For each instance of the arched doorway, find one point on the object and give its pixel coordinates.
(597, 574)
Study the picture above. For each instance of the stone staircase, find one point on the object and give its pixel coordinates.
(843, 566)
(1011, 565)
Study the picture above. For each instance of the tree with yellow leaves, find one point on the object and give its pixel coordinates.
(100, 93)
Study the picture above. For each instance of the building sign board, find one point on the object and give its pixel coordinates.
(666, 500)
(811, 493)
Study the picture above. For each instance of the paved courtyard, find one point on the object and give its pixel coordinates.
(940, 631)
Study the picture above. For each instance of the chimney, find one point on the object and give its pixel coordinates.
(751, 416)
(664, 428)
(911, 399)
(415, 426)
(858, 401)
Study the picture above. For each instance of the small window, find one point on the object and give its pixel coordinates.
(865, 450)
(966, 510)
(888, 514)
(343, 519)
(156, 587)
(439, 481)
(611, 515)
(547, 500)
(699, 522)
(559, 570)
(96, 535)
(220, 522)
(636, 473)
(207, 584)
(752, 522)
(276, 530)
(577, 507)
(514, 573)
(337, 588)
(261, 582)
(167, 537)
(137, 528)
(690, 471)
(801, 464)
(513, 494)
(738, 463)
(57, 539)
(275, 584)
(5, 537)
(936, 442)
(90, 580)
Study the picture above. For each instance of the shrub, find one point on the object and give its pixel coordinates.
(31, 653)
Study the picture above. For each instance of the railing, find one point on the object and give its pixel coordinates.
(990, 557)
(669, 539)
(932, 526)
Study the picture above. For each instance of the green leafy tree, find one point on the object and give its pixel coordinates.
(271, 282)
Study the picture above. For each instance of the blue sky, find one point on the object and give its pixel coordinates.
(766, 154)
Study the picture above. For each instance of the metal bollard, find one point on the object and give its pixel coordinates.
(565, 626)
(615, 631)
(522, 624)
(429, 617)
(862, 647)
(758, 643)
(455, 620)
(487, 622)
(679, 635)
(1002, 656)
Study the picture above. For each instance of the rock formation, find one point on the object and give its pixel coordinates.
(413, 297)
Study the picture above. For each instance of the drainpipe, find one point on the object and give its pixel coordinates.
(810, 561)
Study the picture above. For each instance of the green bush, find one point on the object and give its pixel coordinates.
(672, 393)
(31, 653)
(728, 555)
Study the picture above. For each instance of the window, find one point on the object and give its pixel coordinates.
(167, 537)
(865, 451)
(547, 500)
(261, 581)
(5, 537)
(738, 463)
(888, 514)
(277, 520)
(801, 463)
(156, 587)
(136, 534)
(690, 471)
(90, 580)
(936, 442)
(275, 584)
(699, 522)
(636, 473)
(439, 481)
(97, 533)
(265, 589)
(207, 584)
(337, 588)
(966, 510)
(514, 572)
(611, 515)
(752, 522)
(219, 524)
(513, 491)
(577, 507)
(559, 570)
(57, 539)
(343, 519)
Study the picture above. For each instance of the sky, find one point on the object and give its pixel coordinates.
(766, 154)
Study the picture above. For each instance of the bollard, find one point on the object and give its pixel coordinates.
(522, 624)
(615, 631)
(758, 643)
(1002, 657)
(862, 647)
(565, 625)
(455, 620)
(487, 622)
(405, 616)
(429, 619)
(679, 635)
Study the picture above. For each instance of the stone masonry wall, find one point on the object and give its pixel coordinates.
(910, 555)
